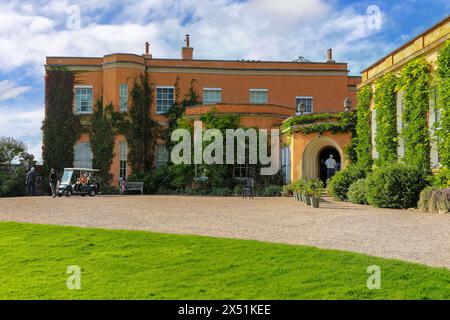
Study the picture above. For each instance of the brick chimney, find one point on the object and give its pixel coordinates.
(330, 56)
(187, 53)
(147, 54)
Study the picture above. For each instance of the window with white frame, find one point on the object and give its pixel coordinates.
(162, 155)
(164, 99)
(123, 97)
(212, 95)
(83, 99)
(308, 103)
(400, 126)
(434, 126)
(123, 155)
(374, 134)
(82, 155)
(258, 96)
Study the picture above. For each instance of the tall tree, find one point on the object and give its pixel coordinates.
(10, 149)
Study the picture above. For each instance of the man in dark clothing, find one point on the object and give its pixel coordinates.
(53, 180)
(31, 182)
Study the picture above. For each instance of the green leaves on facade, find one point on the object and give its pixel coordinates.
(415, 82)
(385, 100)
(61, 128)
(363, 139)
(443, 103)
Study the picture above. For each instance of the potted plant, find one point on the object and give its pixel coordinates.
(316, 192)
(308, 192)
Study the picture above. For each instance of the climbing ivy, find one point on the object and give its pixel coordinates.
(141, 130)
(363, 140)
(101, 137)
(385, 100)
(443, 104)
(415, 78)
(61, 128)
(320, 123)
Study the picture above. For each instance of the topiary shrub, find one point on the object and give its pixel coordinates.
(396, 186)
(221, 192)
(338, 186)
(357, 193)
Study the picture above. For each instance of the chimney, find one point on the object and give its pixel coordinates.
(187, 53)
(147, 54)
(330, 56)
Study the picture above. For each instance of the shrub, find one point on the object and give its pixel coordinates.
(271, 191)
(221, 192)
(286, 190)
(314, 188)
(425, 199)
(13, 184)
(441, 179)
(110, 190)
(440, 201)
(338, 186)
(238, 190)
(396, 186)
(357, 193)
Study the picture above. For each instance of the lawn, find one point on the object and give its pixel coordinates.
(143, 265)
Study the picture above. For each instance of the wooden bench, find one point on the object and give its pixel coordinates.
(135, 186)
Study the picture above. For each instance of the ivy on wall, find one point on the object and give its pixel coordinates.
(363, 138)
(385, 100)
(415, 78)
(101, 136)
(141, 131)
(320, 123)
(443, 104)
(61, 128)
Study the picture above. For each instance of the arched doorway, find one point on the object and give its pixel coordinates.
(315, 151)
(324, 154)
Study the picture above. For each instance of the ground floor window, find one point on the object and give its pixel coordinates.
(122, 159)
(286, 164)
(83, 155)
(162, 155)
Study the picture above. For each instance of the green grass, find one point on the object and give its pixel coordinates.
(142, 265)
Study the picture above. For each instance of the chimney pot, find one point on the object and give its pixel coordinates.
(187, 40)
(187, 53)
(147, 53)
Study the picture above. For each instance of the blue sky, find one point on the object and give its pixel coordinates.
(220, 29)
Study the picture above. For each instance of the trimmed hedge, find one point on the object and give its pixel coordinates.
(338, 186)
(396, 186)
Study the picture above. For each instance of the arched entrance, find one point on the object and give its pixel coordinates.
(315, 152)
(324, 154)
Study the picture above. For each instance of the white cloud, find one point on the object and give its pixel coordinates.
(9, 90)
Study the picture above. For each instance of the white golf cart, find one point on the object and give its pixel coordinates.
(78, 181)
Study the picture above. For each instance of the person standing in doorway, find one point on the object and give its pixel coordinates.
(331, 166)
(31, 182)
(53, 180)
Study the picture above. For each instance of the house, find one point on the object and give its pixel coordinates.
(264, 93)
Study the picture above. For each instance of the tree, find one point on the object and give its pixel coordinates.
(10, 149)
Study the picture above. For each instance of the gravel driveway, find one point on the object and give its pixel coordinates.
(405, 235)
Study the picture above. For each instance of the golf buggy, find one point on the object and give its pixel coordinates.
(78, 181)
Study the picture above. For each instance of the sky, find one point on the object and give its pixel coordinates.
(360, 32)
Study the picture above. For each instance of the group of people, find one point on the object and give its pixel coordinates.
(30, 181)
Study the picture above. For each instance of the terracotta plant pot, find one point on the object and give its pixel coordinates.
(308, 200)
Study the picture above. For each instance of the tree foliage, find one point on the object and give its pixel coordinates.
(10, 149)
(60, 128)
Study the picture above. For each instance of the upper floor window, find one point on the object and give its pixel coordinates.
(123, 153)
(123, 97)
(258, 96)
(307, 102)
(83, 99)
(164, 98)
(212, 95)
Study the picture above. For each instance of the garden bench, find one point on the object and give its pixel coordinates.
(135, 186)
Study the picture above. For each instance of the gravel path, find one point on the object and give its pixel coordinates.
(410, 236)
